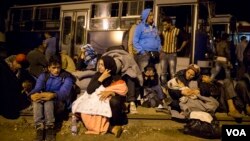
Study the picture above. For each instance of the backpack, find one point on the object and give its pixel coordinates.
(202, 124)
(151, 98)
(202, 129)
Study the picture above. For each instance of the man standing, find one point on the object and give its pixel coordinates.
(37, 60)
(170, 34)
(50, 43)
(131, 48)
(239, 53)
(147, 40)
(223, 57)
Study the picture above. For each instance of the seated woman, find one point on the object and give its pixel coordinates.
(101, 106)
(185, 77)
(190, 100)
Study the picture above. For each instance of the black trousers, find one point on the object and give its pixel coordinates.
(134, 89)
(119, 116)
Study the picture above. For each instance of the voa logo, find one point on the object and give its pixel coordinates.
(236, 132)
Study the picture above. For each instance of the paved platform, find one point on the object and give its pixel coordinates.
(152, 114)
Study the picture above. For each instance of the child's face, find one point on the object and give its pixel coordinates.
(150, 72)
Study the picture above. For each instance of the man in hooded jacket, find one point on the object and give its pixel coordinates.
(146, 40)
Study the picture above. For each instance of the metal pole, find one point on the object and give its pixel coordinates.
(195, 24)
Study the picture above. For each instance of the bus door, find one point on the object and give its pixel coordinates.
(74, 31)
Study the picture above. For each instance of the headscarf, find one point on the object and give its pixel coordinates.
(109, 63)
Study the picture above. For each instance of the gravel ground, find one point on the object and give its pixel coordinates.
(139, 130)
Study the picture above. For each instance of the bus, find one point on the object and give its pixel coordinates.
(101, 23)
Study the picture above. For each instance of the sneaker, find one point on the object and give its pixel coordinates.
(50, 134)
(160, 106)
(235, 114)
(132, 108)
(117, 131)
(162, 110)
(39, 135)
(39, 132)
(248, 110)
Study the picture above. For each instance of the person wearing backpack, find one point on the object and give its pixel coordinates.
(49, 97)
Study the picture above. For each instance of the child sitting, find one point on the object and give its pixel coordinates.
(151, 85)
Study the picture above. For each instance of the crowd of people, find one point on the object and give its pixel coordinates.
(95, 88)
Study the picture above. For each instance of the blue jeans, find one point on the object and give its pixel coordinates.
(143, 59)
(168, 60)
(159, 91)
(44, 113)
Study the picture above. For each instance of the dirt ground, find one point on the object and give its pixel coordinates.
(137, 130)
(148, 125)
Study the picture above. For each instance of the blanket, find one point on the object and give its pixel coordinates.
(128, 64)
(90, 103)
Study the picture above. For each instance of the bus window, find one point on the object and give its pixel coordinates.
(104, 16)
(47, 13)
(67, 30)
(148, 4)
(80, 34)
(21, 19)
(132, 8)
(114, 9)
(27, 14)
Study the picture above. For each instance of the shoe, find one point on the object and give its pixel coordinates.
(117, 131)
(160, 106)
(39, 132)
(39, 135)
(235, 114)
(162, 110)
(132, 108)
(50, 134)
(248, 110)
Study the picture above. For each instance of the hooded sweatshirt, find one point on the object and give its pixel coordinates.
(146, 38)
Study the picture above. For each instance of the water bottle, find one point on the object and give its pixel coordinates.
(74, 129)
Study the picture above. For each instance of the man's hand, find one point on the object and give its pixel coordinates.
(188, 92)
(179, 50)
(46, 96)
(206, 79)
(36, 97)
